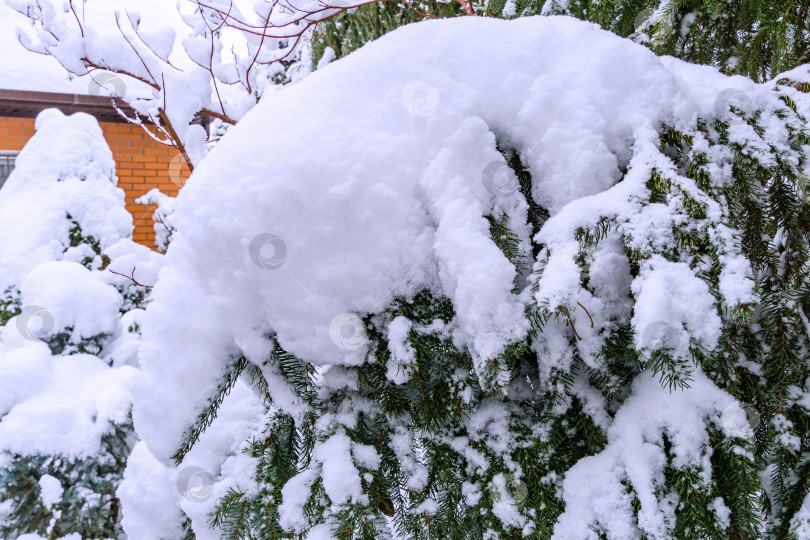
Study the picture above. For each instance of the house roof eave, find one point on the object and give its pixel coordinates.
(27, 104)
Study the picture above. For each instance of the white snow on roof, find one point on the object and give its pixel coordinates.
(21, 69)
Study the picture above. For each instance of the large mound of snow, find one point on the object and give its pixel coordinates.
(371, 180)
(76, 299)
(66, 403)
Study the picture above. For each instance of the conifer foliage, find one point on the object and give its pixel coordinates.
(756, 39)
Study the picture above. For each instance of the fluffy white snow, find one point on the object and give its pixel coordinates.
(671, 298)
(67, 404)
(194, 488)
(791, 83)
(402, 353)
(595, 498)
(800, 523)
(74, 297)
(51, 490)
(147, 480)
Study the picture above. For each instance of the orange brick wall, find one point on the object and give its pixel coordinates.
(141, 164)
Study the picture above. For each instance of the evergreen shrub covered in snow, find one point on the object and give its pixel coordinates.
(554, 288)
(60, 203)
(69, 334)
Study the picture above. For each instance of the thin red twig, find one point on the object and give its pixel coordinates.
(420, 12)
(132, 278)
(81, 29)
(160, 220)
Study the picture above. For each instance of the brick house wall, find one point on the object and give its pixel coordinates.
(141, 163)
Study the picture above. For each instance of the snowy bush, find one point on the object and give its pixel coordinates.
(556, 287)
(60, 203)
(69, 334)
